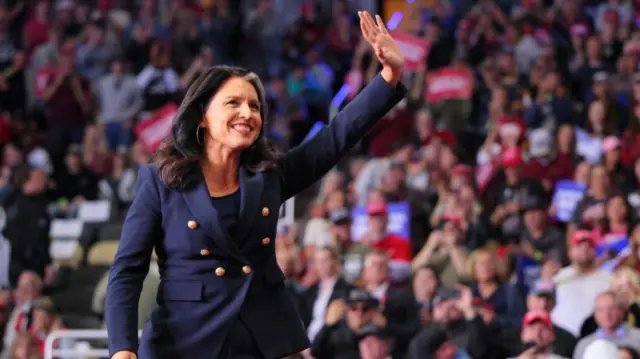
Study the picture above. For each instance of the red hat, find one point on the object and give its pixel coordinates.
(611, 16)
(582, 236)
(376, 208)
(511, 157)
(462, 170)
(536, 316)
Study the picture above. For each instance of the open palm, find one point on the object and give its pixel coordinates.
(384, 46)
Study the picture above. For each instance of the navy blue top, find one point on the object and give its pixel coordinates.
(228, 208)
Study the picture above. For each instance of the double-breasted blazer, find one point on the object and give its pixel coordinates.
(210, 279)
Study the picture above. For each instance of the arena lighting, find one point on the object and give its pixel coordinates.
(342, 94)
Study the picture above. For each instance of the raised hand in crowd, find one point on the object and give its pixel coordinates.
(465, 302)
(335, 312)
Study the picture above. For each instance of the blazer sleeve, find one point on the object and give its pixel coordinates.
(131, 264)
(308, 162)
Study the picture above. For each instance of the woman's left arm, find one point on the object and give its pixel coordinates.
(306, 163)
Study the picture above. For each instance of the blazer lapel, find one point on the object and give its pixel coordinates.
(250, 194)
(199, 203)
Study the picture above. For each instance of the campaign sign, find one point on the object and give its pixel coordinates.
(588, 146)
(619, 246)
(528, 270)
(399, 220)
(566, 196)
(449, 83)
(153, 130)
(414, 48)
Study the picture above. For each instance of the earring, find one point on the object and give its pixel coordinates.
(198, 135)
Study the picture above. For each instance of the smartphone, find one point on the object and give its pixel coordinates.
(528, 345)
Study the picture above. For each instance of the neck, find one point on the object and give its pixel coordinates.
(609, 331)
(487, 285)
(585, 268)
(374, 286)
(220, 169)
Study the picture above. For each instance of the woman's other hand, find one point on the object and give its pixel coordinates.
(384, 46)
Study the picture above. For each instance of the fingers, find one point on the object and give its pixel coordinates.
(381, 26)
(370, 23)
(365, 27)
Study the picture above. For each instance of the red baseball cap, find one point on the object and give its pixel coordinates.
(511, 157)
(583, 236)
(376, 208)
(537, 316)
(462, 170)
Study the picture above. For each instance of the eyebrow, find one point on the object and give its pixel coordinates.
(251, 101)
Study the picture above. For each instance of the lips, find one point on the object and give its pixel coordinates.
(242, 128)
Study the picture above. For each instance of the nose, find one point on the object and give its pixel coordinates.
(245, 111)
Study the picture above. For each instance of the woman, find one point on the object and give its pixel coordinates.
(489, 284)
(209, 207)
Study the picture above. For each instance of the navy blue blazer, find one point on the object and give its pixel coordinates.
(209, 279)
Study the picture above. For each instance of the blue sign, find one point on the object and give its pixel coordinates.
(620, 248)
(528, 271)
(566, 196)
(399, 220)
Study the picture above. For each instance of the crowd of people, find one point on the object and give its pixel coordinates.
(491, 216)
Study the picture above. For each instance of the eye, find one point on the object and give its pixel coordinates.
(232, 102)
(255, 107)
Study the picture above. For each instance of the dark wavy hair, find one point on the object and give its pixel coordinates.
(179, 155)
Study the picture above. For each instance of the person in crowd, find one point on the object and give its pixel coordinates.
(329, 287)
(489, 286)
(579, 284)
(537, 336)
(454, 313)
(609, 315)
(344, 320)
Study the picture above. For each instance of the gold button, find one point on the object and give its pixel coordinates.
(220, 271)
(265, 211)
(192, 224)
(266, 241)
(246, 269)
(204, 252)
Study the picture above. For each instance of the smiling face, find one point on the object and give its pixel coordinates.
(233, 117)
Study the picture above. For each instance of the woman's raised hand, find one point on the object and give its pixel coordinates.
(384, 46)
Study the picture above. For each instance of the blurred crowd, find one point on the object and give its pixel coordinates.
(492, 214)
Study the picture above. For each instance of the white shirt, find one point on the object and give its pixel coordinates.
(325, 289)
(576, 296)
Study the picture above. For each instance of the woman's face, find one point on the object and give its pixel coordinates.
(596, 116)
(335, 200)
(233, 118)
(599, 180)
(582, 173)
(565, 138)
(484, 268)
(425, 281)
(616, 209)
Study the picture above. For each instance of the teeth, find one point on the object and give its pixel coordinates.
(241, 128)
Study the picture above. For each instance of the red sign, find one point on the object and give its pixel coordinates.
(414, 48)
(450, 83)
(154, 129)
(43, 79)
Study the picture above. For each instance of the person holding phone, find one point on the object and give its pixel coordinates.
(537, 336)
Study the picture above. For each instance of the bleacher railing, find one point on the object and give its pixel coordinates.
(81, 349)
